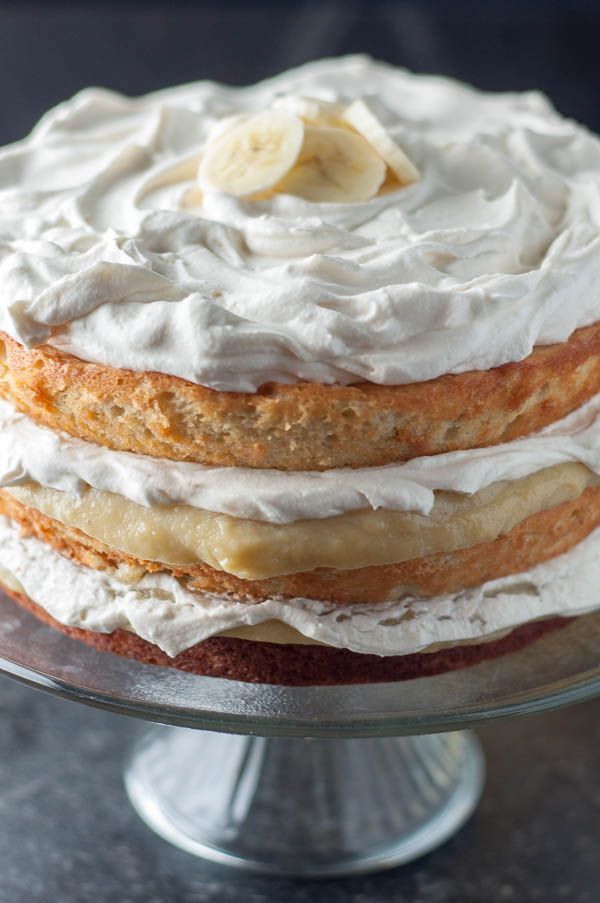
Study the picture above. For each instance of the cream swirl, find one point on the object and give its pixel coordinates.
(57, 461)
(108, 250)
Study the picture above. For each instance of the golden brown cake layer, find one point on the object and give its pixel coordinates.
(305, 426)
(536, 539)
(296, 665)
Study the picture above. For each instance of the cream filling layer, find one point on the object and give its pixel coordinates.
(267, 632)
(271, 631)
(162, 611)
(32, 453)
(185, 536)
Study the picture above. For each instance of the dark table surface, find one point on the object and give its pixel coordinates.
(69, 835)
(67, 831)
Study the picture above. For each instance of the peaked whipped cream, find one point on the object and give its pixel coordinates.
(108, 249)
(57, 461)
(159, 609)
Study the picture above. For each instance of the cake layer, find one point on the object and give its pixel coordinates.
(184, 537)
(298, 665)
(301, 427)
(536, 539)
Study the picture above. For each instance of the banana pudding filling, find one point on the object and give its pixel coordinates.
(185, 537)
(300, 382)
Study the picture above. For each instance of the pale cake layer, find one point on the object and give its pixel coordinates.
(184, 537)
(534, 540)
(304, 426)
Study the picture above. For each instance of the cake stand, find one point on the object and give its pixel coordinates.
(310, 781)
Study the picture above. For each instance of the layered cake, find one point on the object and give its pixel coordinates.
(300, 383)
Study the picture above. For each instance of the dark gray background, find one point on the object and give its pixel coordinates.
(67, 832)
(50, 50)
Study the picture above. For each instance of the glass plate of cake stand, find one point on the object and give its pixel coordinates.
(305, 781)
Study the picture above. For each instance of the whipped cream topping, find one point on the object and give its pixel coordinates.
(159, 609)
(109, 250)
(57, 461)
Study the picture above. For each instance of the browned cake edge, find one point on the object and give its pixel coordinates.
(304, 426)
(292, 665)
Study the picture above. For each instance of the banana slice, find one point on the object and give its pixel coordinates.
(311, 110)
(253, 154)
(365, 122)
(334, 165)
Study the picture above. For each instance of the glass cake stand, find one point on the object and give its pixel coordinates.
(308, 781)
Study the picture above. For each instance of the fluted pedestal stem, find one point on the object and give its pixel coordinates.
(304, 807)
